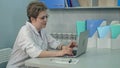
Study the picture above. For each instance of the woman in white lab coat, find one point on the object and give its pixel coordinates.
(32, 40)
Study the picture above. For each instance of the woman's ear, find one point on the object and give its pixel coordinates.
(32, 19)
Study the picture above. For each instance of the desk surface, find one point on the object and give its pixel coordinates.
(93, 58)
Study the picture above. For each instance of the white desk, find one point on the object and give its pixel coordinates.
(94, 58)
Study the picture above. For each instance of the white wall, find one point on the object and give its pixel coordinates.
(63, 20)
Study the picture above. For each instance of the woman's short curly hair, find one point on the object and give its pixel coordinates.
(34, 8)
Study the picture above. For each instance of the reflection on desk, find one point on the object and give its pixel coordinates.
(93, 58)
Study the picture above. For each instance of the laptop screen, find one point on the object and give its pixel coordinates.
(82, 43)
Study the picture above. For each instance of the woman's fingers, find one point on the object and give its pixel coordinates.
(69, 51)
(73, 44)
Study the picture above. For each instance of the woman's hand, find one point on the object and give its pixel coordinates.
(67, 50)
(72, 44)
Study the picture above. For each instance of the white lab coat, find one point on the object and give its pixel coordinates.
(29, 44)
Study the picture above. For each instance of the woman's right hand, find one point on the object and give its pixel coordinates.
(67, 51)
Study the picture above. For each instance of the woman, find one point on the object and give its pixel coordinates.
(32, 40)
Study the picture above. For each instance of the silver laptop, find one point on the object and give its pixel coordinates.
(82, 44)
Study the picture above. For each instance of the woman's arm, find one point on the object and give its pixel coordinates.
(55, 53)
(63, 50)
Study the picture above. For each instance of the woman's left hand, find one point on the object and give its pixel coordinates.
(72, 44)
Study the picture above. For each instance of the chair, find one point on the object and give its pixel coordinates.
(4, 56)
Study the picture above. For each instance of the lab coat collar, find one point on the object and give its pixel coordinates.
(29, 25)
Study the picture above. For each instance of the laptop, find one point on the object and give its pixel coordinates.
(82, 44)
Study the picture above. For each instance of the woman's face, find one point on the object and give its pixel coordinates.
(41, 21)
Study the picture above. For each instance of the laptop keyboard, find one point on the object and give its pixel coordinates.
(74, 52)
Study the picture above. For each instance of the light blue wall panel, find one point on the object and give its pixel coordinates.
(12, 17)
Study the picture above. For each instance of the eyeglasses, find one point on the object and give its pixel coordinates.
(43, 17)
